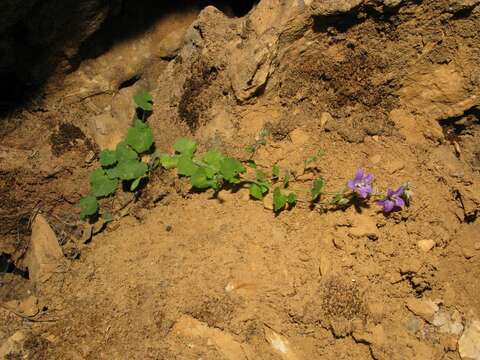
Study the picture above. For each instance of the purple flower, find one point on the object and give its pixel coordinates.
(392, 200)
(360, 184)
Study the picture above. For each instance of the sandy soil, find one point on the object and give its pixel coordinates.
(185, 275)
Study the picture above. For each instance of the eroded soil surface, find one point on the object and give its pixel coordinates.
(389, 86)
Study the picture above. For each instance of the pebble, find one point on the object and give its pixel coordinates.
(426, 245)
(325, 265)
(477, 245)
(468, 253)
(469, 343)
(425, 309)
(364, 226)
(268, 202)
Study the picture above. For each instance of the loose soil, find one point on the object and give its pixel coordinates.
(187, 275)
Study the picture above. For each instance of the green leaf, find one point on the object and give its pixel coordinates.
(143, 100)
(140, 137)
(292, 198)
(258, 191)
(169, 161)
(186, 166)
(200, 180)
(275, 171)
(213, 158)
(131, 169)
(124, 152)
(286, 179)
(230, 168)
(135, 184)
(101, 184)
(88, 206)
(317, 188)
(108, 158)
(185, 146)
(260, 175)
(251, 164)
(279, 200)
(250, 149)
(107, 217)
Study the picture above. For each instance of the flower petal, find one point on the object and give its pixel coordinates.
(388, 206)
(399, 202)
(351, 184)
(399, 191)
(358, 175)
(369, 178)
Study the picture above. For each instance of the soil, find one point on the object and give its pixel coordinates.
(187, 275)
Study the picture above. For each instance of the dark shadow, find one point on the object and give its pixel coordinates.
(36, 46)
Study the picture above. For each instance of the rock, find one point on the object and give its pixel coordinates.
(333, 7)
(280, 344)
(468, 253)
(27, 307)
(364, 226)
(408, 126)
(13, 347)
(44, 256)
(469, 343)
(426, 245)
(448, 322)
(187, 327)
(373, 335)
(392, 3)
(250, 67)
(108, 131)
(425, 309)
(325, 119)
(268, 201)
(437, 92)
(325, 265)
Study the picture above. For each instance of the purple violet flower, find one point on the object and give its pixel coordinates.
(360, 184)
(392, 200)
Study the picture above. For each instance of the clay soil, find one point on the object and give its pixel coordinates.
(188, 275)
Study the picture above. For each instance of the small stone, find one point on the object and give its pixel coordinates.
(339, 243)
(449, 343)
(364, 226)
(477, 245)
(469, 343)
(373, 335)
(268, 202)
(90, 157)
(468, 253)
(44, 255)
(325, 118)
(425, 309)
(325, 265)
(98, 226)
(426, 245)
